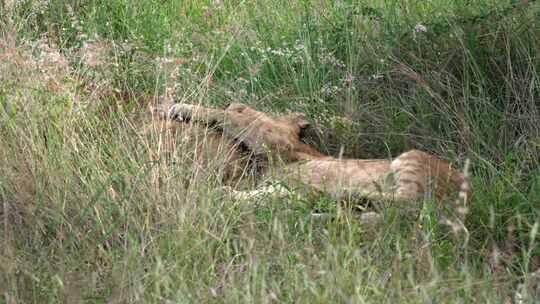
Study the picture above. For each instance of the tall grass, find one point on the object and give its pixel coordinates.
(89, 213)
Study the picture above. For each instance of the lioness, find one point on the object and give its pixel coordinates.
(412, 176)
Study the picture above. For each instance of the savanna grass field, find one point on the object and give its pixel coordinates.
(89, 214)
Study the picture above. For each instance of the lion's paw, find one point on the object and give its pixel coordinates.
(181, 111)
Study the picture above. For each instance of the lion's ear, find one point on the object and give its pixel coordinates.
(236, 107)
(299, 119)
(225, 106)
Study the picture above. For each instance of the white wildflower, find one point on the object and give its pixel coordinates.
(420, 28)
(299, 46)
(329, 90)
(329, 58)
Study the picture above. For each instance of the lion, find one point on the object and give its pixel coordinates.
(412, 176)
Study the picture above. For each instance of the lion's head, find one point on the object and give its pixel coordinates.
(277, 135)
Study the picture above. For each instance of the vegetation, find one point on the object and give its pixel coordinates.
(89, 215)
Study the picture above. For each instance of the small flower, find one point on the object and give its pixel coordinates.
(330, 59)
(299, 46)
(329, 90)
(420, 28)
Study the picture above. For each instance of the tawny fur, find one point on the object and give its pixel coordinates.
(412, 176)
(205, 147)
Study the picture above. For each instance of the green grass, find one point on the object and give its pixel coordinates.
(89, 215)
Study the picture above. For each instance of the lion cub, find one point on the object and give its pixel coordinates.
(412, 176)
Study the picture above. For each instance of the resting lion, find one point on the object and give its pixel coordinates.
(412, 176)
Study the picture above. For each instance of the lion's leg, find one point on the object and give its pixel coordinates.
(419, 175)
(411, 175)
(185, 112)
(257, 194)
(368, 220)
